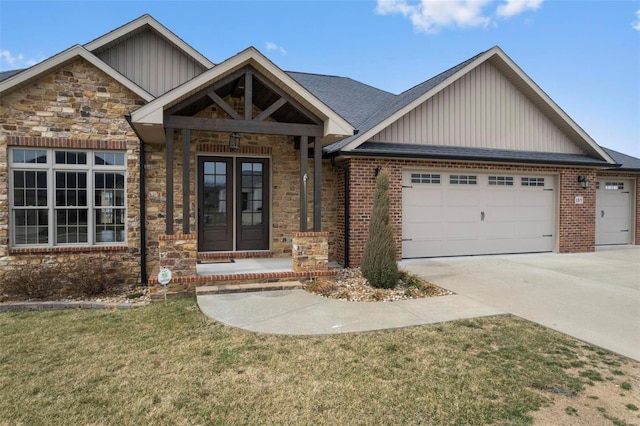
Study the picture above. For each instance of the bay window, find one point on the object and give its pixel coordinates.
(66, 197)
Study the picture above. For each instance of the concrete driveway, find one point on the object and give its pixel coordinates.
(594, 297)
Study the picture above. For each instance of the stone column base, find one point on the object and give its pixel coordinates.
(310, 251)
(179, 253)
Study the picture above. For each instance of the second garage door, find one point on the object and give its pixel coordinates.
(462, 213)
(613, 211)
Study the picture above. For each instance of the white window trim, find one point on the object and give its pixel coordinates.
(51, 168)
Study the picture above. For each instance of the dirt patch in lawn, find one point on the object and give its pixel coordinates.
(350, 285)
(611, 393)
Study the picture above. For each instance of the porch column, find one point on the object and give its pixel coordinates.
(186, 141)
(317, 185)
(304, 146)
(169, 182)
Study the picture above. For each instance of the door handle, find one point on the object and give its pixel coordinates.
(482, 216)
(601, 213)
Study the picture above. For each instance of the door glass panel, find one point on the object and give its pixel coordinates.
(215, 193)
(252, 193)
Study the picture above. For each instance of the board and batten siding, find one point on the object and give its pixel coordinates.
(151, 62)
(482, 109)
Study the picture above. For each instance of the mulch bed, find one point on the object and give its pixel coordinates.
(350, 285)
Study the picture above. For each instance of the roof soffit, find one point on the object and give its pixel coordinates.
(504, 64)
(140, 24)
(29, 75)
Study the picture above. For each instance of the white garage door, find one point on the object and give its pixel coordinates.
(613, 211)
(463, 213)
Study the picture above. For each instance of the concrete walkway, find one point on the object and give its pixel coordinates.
(594, 297)
(300, 312)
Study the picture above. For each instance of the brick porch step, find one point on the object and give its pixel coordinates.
(242, 288)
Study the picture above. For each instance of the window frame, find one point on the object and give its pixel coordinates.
(50, 167)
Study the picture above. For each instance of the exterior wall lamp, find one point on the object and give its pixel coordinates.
(583, 181)
(234, 141)
(377, 171)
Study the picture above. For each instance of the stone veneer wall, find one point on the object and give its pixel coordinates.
(576, 231)
(310, 251)
(75, 107)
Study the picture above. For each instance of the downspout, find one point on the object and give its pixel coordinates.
(143, 211)
(347, 197)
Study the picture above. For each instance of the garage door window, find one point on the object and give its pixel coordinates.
(463, 180)
(501, 180)
(614, 186)
(532, 181)
(425, 178)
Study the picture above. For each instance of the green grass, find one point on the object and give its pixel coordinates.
(169, 364)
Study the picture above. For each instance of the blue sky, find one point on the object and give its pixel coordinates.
(584, 54)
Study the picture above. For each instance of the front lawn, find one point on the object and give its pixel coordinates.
(169, 364)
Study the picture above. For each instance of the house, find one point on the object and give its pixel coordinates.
(136, 148)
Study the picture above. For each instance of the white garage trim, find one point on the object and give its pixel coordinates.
(461, 212)
(614, 211)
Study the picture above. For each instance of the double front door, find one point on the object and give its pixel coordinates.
(233, 203)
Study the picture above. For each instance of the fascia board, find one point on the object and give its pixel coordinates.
(65, 56)
(407, 108)
(547, 99)
(161, 29)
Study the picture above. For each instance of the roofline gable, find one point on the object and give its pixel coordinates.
(30, 74)
(143, 21)
(153, 113)
(495, 54)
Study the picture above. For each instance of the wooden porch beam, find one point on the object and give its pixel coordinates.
(248, 96)
(304, 146)
(225, 106)
(169, 182)
(317, 185)
(270, 110)
(244, 126)
(186, 142)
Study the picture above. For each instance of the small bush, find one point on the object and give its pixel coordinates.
(379, 264)
(76, 278)
(32, 281)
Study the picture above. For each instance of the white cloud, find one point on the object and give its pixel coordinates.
(11, 60)
(274, 47)
(636, 25)
(515, 7)
(431, 15)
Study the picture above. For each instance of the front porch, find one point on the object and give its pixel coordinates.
(191, 269)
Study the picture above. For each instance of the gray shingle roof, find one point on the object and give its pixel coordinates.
(627, 162)
(398, 102)
(6, 74)
(352, 100)
(473, 154)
